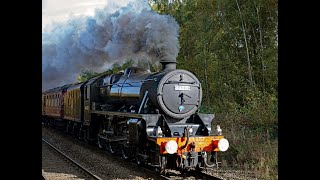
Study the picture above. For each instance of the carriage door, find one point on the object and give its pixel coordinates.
(87, 115)
(43, 105)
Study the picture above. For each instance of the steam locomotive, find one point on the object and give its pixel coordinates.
(149, 117)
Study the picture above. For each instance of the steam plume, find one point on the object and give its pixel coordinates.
(134, 32)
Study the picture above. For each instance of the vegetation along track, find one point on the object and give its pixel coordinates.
(57, 161)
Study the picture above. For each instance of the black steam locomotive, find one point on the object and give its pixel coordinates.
(151, 118)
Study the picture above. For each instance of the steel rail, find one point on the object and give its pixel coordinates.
(73, 161)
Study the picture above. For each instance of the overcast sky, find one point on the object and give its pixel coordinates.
(61, 10)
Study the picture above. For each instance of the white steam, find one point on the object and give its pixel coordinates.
(113, 34)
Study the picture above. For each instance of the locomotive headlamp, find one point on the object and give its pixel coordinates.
(171, 147)
(223, 144)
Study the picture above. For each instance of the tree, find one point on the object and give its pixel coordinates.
(86, 75)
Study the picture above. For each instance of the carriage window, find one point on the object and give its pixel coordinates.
(87, 92)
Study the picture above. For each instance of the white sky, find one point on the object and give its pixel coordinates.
(61, 10)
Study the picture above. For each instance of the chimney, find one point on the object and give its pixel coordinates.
(168, 65)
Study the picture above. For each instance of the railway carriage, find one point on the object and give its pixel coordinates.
(53, 104)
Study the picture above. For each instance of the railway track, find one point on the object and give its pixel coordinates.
(173, 174)
(152, 174)
(63, 166)
(189, 175)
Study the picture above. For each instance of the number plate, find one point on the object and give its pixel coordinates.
(181, 88)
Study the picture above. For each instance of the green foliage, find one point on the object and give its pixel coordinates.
(86, 75)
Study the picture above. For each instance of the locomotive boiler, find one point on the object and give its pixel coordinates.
(175, 93)
(149, 117)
